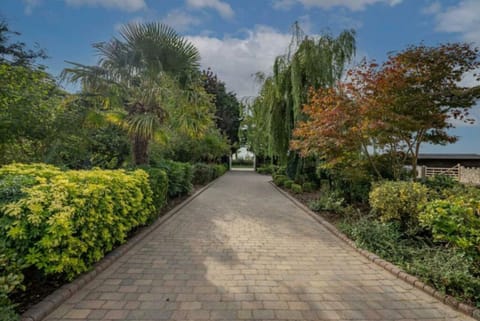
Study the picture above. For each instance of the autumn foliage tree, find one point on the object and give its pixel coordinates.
(394, 108)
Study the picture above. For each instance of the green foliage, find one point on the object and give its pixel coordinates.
(438, 185)
(180, 177)
(455, 220)
(68, 220)
(398, 201)
(227, 106)
(296, 188)
(11, 279)
(28, 101)
(267, 169)
(279, 180)
(328, 201)
(382, 238)
(210, 147)
(288, 183)
(158, 180)
(205, 173)
(447, 269)
(308, 187)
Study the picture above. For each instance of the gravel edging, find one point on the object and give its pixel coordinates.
(42, 309)
(393, 269)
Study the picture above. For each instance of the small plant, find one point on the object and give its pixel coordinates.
(296, 188)
(279, 179)
(288, 183)
(329, 201)
(308, 187)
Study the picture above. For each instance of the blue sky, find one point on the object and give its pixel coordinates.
(237, 38)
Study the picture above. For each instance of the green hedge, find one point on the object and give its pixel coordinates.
(62, 222)
(205, 173)
(180, 177)
(159, 184)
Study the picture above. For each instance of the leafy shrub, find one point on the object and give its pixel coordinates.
(446, 269)
(398, 201)
(279, 180)
(159, 184)
(328, 201)
(455, 220)
(202, 173)
(382, 238)
(440, 182)
(66, 221)
(11, 278)
(449, 271)
(288, 183)
(308, 187)
(180, 177)
(205, 173)
(296, 188)
(279, 170)
(219, 170)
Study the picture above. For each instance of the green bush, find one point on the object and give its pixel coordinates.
(398, 201)
(456, 221)
(267, 169)
(328, 201)
(288, 183)
(202, 173)
(448, 270)
(66, 221)
(308, 187)
(219, 170)
(205, 173)
(11, 279)
(296, 188)
(159, 184)
(180, 177)
(279, 179)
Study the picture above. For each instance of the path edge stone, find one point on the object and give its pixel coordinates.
(393, 269)
(45, 307)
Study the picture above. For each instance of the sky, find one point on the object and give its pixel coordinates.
(237, 38)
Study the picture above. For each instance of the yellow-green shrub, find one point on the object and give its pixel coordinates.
(455, 220)
(398, 201)
(66, 221)
(296, 188)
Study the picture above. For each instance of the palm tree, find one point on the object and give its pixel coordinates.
(139, 72)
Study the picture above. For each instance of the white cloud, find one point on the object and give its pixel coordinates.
(433, 8)
(126, 5)
(235, 60)
(463, 18)
(30, 5)
(180, 20)
(353, 5)
(223, 8)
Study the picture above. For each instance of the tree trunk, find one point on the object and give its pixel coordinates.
(140, 150)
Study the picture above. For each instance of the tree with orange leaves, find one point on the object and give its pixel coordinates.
(410, 100)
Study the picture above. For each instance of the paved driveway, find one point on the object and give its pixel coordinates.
(242, 251)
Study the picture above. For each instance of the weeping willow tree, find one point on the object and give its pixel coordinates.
(310, 62)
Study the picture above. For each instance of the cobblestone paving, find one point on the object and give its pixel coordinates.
(242, 251)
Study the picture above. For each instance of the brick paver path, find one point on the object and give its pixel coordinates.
(242, 251)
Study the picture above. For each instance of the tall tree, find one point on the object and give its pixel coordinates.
(149, 68)
(227, 106)
(311, 62)
(410, 100)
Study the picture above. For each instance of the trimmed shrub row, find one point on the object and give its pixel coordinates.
(62, 222)
(205, 173)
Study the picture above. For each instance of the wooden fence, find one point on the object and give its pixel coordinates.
(454, 172)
